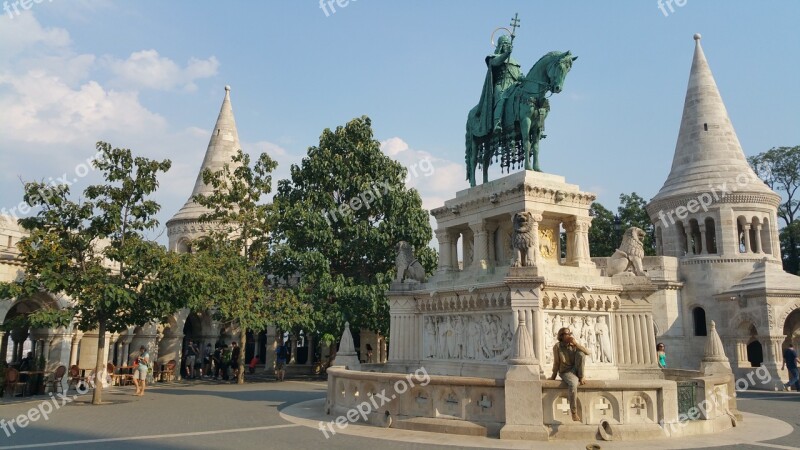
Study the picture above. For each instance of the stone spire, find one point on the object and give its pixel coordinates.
(708, 151)
(346, 356)
(224, 144)
(714, 359)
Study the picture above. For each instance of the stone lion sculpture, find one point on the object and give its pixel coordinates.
(523, 241)
(629, 255)
(408, 267)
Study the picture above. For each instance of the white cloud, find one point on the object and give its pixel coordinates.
(148, 69)
(39, 107)
(24, 34)
(435, 178)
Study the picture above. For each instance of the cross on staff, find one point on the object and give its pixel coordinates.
(514, 25)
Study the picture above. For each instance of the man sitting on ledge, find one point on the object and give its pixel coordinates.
(568, 362)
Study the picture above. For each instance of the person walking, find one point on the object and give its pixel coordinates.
(140, 371)
(568, 363)
(208, 353)
(281, 356)
(191, 359)
(235, 351)
(790, 361)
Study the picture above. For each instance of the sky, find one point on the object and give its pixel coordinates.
(150, 76)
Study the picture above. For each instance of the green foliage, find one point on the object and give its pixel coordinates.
(779, 168)
(94, 252)
(631, 213)
(228, 263)
(604, 238)
(605, 235)
(339, 219)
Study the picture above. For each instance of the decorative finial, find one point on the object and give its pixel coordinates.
(227, 87)
(697, 36)
(713, 325)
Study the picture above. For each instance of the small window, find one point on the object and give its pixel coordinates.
(217, 131)
(705, 127)
(699, 316)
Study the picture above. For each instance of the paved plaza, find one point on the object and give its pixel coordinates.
(270, 415)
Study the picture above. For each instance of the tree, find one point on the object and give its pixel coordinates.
(339, 219)
(94, 252)
(779, 168)
(631, 213)
(231, 256)
(604, 239)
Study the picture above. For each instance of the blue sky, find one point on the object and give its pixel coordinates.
(149, 75)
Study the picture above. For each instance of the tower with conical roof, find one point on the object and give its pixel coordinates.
(719, 220)
(185, 226)
(712, 203)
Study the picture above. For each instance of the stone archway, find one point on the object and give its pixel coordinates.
(791, 329)
(21, 338)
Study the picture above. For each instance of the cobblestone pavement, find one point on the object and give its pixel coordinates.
(214, 415)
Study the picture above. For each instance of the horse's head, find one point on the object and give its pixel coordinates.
(558, 70)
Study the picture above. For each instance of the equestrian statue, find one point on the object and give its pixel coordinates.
(508, 121)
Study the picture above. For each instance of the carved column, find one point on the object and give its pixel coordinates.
(3, 345)
(310, 345)
(73, 354)
(701, 246)
(491, 229)
(454, 249)
(746, 231)
(481, 245)
(445, 258)
(757, 234)
(578, 242)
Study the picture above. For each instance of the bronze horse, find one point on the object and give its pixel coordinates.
(524, 112)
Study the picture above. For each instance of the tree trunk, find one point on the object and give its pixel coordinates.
(100, 364)
(242, 347)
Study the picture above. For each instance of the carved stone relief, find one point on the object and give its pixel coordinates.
(590, 330)
(478, 337)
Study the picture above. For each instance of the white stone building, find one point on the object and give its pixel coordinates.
(720, 221)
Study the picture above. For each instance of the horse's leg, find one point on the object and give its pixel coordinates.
(525, 130)
(470, 159)
(535, 154)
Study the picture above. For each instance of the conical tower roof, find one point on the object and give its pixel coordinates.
(224, 144)
(707, 153)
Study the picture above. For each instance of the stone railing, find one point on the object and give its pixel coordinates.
(624, 409)
(476, 400)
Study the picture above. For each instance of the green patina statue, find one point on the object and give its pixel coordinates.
(508, 121)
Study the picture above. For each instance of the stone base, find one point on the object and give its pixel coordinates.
(524, 433)
(628, 432)
(447, 426)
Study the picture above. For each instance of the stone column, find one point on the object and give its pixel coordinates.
(3, 345)
(73, 354)
(454, 250)
(702, 244)
(310, 346)
(580, 242)
(524, 412)
(491, 229)
(404, 332)
(292, 349)
(481, 245)
(759, 247)
(467, 248)
(746, 232)
(445, 258)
